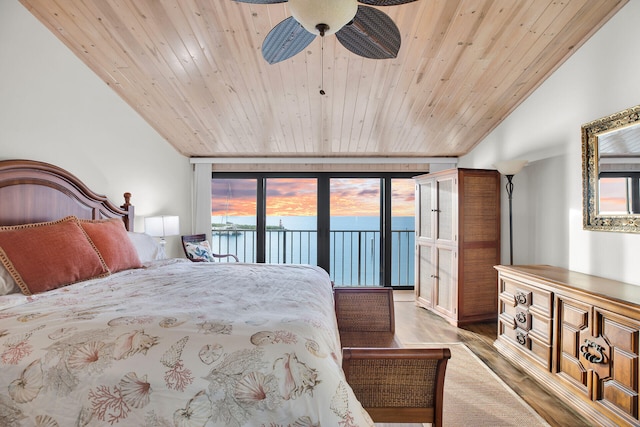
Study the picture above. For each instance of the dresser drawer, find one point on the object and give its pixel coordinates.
(541, 327)
(507, 330)
(541, 350)
(526, 307)
(525, 295)
(528, 343)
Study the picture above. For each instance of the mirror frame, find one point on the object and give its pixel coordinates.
(591, 219)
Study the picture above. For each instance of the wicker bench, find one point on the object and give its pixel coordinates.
(398, 385)
(394, 384)
(365, 316)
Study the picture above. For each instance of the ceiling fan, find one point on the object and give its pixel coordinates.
(363, 30)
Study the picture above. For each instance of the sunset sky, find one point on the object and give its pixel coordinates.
(297, 197)
(613, 195)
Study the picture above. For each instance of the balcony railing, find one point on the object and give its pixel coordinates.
(354, 258)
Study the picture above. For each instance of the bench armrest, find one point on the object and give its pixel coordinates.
(398, 384)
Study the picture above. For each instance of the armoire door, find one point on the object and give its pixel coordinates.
(426, 279)
(446, 210)
(425, 230)
(425, 211)
(446, 281)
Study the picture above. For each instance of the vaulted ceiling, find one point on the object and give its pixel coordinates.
(194, 70)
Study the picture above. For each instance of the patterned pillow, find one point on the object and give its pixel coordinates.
(199, 251)
(48, 255)
(110, 237)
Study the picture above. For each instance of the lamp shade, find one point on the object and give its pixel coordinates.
(334, 13)
(162, 226)
(510, 167)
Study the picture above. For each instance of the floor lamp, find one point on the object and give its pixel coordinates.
(509, 168)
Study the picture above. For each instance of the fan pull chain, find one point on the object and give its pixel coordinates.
(322, 92)
(322, 29)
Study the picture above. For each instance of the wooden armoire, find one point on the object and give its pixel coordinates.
(458, 244)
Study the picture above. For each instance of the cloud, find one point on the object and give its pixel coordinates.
(298, 197)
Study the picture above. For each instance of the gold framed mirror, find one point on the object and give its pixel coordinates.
(611, 172)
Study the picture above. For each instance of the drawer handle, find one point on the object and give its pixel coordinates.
(521, 298)
(586, 352)
(521, 338)
(521, 317)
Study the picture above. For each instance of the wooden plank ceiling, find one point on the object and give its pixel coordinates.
(194, 70)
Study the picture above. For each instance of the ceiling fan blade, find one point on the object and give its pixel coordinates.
(385, 2)
(371, 34)
(285, 40)
(261, 1)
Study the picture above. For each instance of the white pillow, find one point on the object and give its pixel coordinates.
(7, 284)
(148, 249)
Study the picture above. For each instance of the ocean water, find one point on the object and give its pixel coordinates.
(309, 222)
(354, 246)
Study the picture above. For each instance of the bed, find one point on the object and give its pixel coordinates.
(137, 340)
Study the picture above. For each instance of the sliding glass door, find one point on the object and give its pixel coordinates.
(358, 228)
(401, 241)
(233, 217)
(355, 231)
(291, 232)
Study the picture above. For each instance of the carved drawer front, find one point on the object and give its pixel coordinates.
(525, 320)
(573, 318)
(507, 309)
(599, 355)
(518, 336)
(541, 327)
(537, 349)
(526, 295)
(541, 350)
(528, 307)
(616, 378)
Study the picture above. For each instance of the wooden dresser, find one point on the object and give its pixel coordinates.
(577, 334)
(458, 243)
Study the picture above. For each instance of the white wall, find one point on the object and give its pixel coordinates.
(54, 109)
(601, 78)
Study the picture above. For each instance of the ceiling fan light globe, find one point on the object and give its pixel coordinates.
(334, 13)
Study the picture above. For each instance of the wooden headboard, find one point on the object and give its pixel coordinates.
(32, 191)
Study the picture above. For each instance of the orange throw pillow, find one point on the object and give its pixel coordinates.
(48, 255)
(112, 241)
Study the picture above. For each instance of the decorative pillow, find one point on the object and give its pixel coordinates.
(110, 237)
(146, 246)
(48, 255)
(199, 251)
(7, 284)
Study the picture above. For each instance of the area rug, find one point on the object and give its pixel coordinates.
(475, 396)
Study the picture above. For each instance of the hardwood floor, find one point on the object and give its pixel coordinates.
(415, 324)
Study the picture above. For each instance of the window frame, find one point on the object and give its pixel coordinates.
(323, 214)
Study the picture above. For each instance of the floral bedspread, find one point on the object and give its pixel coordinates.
(178, 344)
